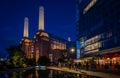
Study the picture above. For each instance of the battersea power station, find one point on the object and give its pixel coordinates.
(43, 43)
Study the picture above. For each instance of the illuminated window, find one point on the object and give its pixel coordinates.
(93, 46)
(92, 40)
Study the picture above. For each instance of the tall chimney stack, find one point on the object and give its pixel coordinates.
(41, 18)
(25, 27)
(69, 39)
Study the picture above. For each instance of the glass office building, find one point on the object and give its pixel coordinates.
(98, 28)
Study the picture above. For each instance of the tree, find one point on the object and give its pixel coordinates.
(17, 56)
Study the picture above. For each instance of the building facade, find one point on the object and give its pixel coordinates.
(98, 26)
(27, 46)
(43, 43)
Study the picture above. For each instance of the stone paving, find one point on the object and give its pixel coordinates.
(86, 72)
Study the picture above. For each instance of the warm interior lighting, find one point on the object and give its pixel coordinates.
(93, 46)
(114, 58)
(108, 58)
(58, 45)
(92, 40)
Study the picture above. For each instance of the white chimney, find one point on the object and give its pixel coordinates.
(41, 18)
(69, 39)
(26, 27)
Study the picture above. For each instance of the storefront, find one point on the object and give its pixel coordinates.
(105, 61)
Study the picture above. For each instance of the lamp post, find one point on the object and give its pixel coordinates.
(72, 51)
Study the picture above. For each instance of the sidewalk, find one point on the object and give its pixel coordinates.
(86, 72)
(110, 71)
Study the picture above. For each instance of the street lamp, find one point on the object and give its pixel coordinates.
(72, 50)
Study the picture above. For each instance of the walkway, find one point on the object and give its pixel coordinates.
(86, 72)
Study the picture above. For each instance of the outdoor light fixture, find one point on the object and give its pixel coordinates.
(72, 50)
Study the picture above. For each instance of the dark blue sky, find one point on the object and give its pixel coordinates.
(60, 19)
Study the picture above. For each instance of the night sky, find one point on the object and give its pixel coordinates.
(60, 19)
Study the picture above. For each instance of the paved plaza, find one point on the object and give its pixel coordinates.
(86, 72)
